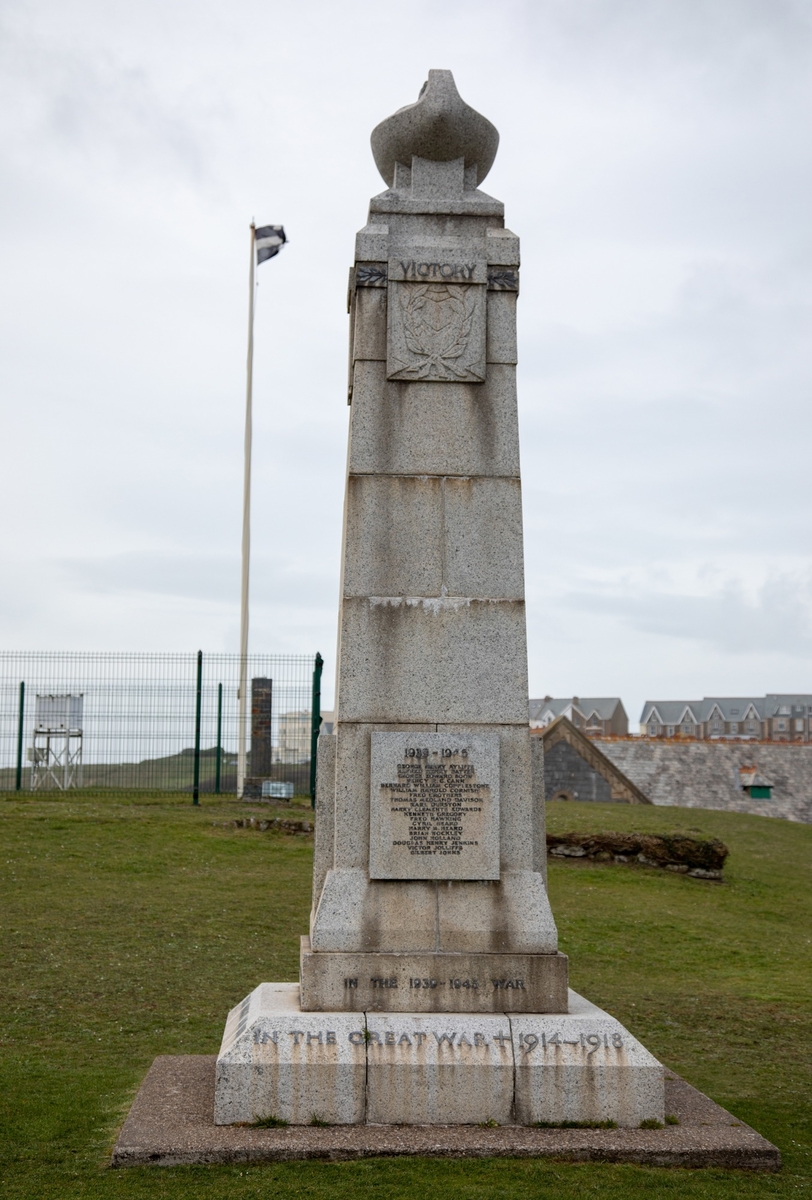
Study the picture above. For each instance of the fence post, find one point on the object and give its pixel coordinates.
(218, 751)
(19, 782)
(198, 697)
(315, 723)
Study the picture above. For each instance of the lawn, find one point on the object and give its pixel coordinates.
(132, 922)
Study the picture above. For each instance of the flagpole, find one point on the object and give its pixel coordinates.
(246, 532)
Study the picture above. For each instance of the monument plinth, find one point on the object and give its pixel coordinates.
(429, 900)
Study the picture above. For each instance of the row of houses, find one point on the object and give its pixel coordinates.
(771, 718)
(775, 717)
(595, 716)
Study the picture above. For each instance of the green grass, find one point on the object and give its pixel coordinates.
(132, 922)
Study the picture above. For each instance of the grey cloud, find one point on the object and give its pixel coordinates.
(214, 578)
(776, 620)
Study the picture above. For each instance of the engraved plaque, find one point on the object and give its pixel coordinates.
(434, 806)
(436, 319)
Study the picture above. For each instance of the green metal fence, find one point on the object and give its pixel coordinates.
(164, 721)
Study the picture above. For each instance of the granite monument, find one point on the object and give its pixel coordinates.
(431, 985)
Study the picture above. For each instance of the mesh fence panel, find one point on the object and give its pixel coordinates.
(128, 720)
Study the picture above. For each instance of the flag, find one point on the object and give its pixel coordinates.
(269, 241)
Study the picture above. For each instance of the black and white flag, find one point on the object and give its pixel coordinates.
(269, 241)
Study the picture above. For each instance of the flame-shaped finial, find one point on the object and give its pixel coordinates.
(440, 127)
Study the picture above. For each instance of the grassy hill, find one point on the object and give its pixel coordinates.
(171, 772)
(133, 921)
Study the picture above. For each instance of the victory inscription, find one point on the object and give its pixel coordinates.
(436, 319)
(434, 806)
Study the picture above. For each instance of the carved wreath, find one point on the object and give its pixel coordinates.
(503, 281)
(373, 276)
(437, 324)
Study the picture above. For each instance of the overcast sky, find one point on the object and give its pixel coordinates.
(656, 161)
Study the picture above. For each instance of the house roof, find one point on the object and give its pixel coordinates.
(603, 707)
(733, 708)
(730, 708)
(670, 711)
(776, 700)
(749, 777)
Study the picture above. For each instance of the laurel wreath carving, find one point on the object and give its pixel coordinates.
(370, 276)
(438, 350)
(503, 281)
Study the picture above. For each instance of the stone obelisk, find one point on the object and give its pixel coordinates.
(432, 955)
(430, 848)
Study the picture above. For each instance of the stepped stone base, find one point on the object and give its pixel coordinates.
(345, 981)
(278, 1061)
(171, 1124)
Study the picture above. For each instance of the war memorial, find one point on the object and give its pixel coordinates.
(432, 992)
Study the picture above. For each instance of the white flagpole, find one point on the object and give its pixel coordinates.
(246, 531)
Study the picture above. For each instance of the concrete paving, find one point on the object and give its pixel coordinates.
(171, 1123)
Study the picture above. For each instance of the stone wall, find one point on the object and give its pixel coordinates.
(566, 771)
(704, 774)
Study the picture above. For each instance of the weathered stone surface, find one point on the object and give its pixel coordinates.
(420, 189)
(369, 325)
(511, 915)
(539, 830)
(372, 243)
(501, 337)
(434, 806)
(402, 551)
(395, 1066)
(584, 1066)
(439, 127)
(422, 659)
(483, 548)
(353, 754)
(430, 1071)
(170, 1124)
(275, 1061)
(356, 913)
(432, 982)
(401, 428)
(433, 536)
(502, 247)
(324, 823)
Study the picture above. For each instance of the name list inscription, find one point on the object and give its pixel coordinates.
(434, 806)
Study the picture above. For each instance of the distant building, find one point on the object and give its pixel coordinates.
(602, 716)
(293, 744)
(575, 769)
(771, 718)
